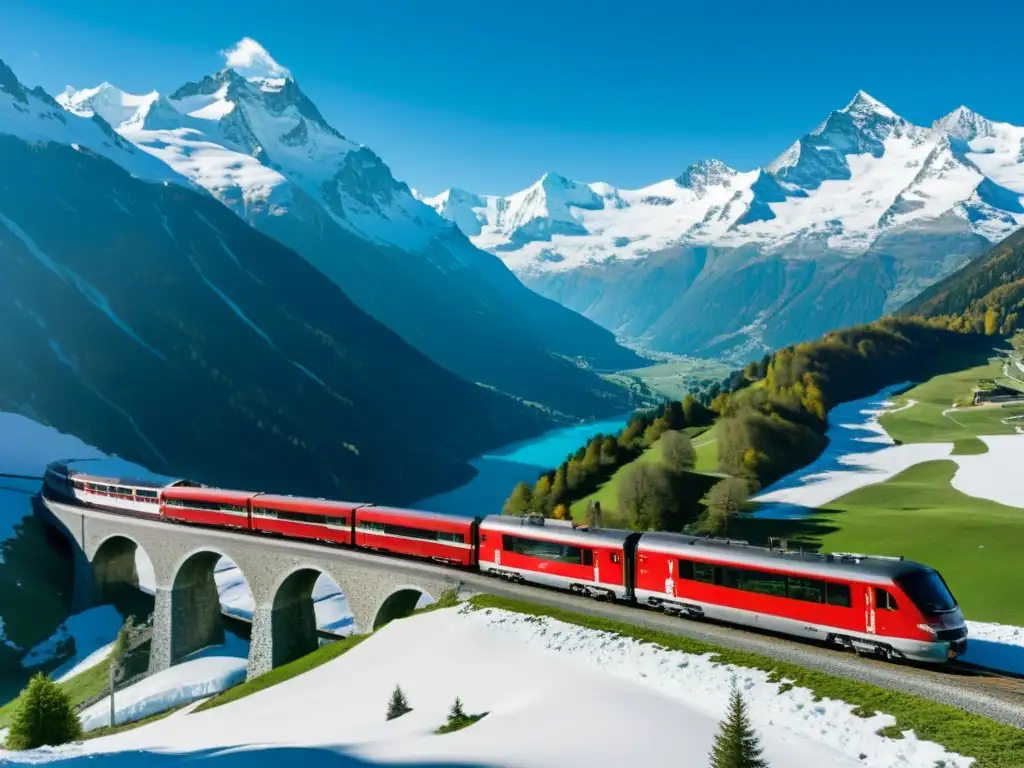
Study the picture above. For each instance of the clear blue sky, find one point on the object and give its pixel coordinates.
(490, 95)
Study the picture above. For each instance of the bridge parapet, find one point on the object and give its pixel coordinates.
(281, 574)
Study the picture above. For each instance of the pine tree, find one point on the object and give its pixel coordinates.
(398, 705)
(456, 713)
(737, 744)
(44, 716)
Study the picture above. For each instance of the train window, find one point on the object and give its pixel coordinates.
(884, 600)
(546, 550)
(588, 557)
(704, 572)
(685, 569)
(762, 582)
(207, 506)
(506, 543)
(146, 494)
(809, 590)
(838, 594)
(412, 533)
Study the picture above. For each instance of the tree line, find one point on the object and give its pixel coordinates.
(582, 472)
(776, 422)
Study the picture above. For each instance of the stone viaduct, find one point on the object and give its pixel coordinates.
(281, 574)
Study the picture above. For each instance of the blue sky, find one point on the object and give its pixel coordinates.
(489, 96)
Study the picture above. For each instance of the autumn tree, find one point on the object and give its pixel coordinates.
(645, 496)
(991, 321)
(561, 512)
(519, 501)
(679, 454)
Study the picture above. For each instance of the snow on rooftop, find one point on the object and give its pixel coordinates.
(556, 695)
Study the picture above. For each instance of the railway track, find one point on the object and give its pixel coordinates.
(984, 692)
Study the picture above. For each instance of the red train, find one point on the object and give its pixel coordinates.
(886, 606)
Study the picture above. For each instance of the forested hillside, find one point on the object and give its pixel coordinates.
(985, 296)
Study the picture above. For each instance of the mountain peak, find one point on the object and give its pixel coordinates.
(964, 123)
(864, 103)
(252, 61)
(705, 173)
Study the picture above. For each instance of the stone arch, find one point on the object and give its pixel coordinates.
(291, 619)
(401, 602)
(195, 608)
(115, 567)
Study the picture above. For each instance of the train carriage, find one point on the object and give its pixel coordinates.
(112, 493)
(207, 506)
(555, 553)
(871, 604)
(303, 518)
(445, 538)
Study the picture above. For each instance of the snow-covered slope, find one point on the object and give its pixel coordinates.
(251, 137)
(32, 115)
(555, 695)
(877, 207)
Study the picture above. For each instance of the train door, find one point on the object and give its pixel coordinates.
(885, 611)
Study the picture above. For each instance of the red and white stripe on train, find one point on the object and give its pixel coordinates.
(876, 605)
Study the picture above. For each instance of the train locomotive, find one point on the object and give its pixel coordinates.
(881, 606)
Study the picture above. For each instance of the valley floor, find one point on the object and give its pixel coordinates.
(554, 694)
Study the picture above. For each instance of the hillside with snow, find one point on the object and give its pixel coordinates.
(554, 694)
(851, 221)
(251, 137)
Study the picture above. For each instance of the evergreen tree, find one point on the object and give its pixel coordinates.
(456, 713)
(398, 705)
(737, 744)
(44, 716)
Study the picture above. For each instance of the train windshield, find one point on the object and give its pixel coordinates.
(928, 591)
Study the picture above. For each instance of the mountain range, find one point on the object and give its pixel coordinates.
(141, 314)
(252, 139)
(850, 222)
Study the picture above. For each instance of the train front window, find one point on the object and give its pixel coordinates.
(927, 590)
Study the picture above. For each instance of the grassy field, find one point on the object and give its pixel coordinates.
(672, 379)
(993, 744)
(930, 420)
(974, 543)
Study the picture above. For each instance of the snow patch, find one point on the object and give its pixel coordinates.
(87, 633)
(546, 669)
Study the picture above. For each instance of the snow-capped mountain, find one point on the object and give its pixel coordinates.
(251, 137)
(152, 322)
(866, 193)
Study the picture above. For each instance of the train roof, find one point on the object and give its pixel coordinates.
(200, 492)
(272, 498)
(560, 530)
(440, 517)
(113, 471)
(134, 482)
(846, 565)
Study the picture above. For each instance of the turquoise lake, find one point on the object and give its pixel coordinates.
(499, 471)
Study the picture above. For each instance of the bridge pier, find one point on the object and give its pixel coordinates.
(84, 593)
(186, 616)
